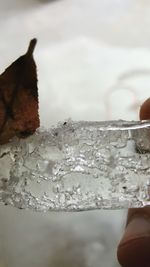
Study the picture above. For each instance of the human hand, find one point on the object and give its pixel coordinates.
(134, 247)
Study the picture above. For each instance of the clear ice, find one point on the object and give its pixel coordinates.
(78, 166)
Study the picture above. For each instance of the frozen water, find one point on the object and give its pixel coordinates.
(78, 166)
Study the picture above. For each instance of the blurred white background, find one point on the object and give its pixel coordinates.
(93, 62)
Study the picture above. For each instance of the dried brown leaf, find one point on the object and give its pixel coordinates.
(19, 98)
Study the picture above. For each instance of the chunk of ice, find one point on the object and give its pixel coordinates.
(78, 166)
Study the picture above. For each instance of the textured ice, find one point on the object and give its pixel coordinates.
(78, 166)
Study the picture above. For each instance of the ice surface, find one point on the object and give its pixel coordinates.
(78, 166)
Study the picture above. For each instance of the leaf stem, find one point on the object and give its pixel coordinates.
(31, 47)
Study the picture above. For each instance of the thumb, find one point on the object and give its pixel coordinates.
(144, 112)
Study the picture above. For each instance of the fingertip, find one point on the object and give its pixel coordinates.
(144, 112)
